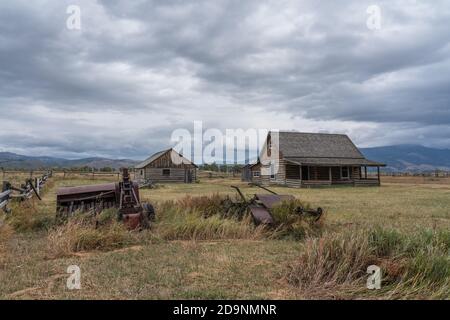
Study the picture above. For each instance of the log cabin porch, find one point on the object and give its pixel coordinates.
(311, 175)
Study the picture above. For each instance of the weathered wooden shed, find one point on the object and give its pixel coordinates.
(167, 166)
(316, 159)
(252, 172)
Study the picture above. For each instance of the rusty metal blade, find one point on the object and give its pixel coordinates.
(271, 200)
(261, 215)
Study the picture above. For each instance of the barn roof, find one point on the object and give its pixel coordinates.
(157, 156)
(321, 148)
(252, 164)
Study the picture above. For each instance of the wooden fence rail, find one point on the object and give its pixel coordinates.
(62, 173)
(24, 191)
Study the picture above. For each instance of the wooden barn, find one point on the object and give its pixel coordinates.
(161, 167)
(316, 159)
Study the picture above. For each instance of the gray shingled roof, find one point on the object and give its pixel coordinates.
(321, 148)
(156, 156)
(151, 159)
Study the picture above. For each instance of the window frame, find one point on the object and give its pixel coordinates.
(166, 170)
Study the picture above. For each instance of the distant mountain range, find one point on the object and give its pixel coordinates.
(398, 158)
(15, 161)
(414, 158)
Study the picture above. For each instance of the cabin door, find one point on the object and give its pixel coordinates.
(305, 173)
(188, 176)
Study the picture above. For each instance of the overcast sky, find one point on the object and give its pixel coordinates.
(137, 70)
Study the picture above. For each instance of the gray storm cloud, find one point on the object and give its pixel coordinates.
(138, 70)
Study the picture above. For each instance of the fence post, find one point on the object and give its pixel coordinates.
(36, 184)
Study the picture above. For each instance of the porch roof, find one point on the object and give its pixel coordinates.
(334, 162)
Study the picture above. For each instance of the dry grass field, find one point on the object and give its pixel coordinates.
(402, 226)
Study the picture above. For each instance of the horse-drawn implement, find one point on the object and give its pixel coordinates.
(260, 206)
(123, 196)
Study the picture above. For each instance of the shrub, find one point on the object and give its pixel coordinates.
(290, 224)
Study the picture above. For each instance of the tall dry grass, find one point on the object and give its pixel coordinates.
(206, 205)
(6, 233)
(414, 266)
(29, 216)
(87, 233)
(333, 259)
(188, 221)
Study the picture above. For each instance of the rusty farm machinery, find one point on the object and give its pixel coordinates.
(123, 196)
(260, 206)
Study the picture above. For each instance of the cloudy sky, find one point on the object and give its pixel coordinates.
(137, 70)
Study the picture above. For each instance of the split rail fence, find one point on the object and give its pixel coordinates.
(31, 187)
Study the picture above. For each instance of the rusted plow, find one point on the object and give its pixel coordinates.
(123, 196)
(260, 206)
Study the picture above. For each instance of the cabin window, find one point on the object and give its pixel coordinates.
(142, 172)
(256, 174)
(272, 176)
(166, 172)
(345, 173)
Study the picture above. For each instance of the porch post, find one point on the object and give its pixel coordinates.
(378, 171)
(365, 169)
(329, 173)
(360, 173)
(301, 174)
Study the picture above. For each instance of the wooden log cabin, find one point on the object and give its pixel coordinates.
(315, 159)
(161, 167)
